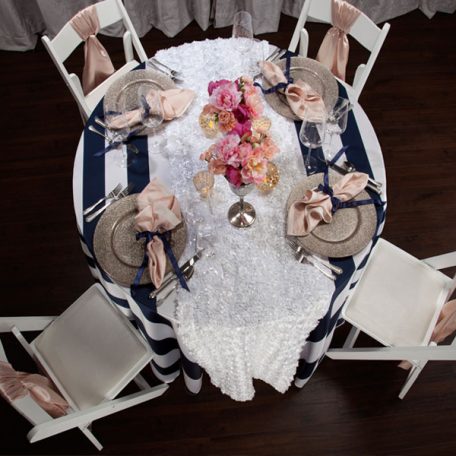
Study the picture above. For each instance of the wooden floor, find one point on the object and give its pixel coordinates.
(347, 408)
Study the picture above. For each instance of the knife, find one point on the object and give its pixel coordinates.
(343, 171)
(171, 277)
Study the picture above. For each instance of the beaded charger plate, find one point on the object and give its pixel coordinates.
(115, 245)
(350, 230)
(313, 73)
(127, 87)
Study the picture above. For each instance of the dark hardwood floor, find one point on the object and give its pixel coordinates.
(347, 408)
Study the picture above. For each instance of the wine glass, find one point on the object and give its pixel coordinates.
(150, 105)
(243, 31)
(118, 119)
(311, 135)
(336, 123)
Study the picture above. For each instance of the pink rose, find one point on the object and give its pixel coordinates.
(227, 150)
(233, 176)
(269, 148)
(214, 84)
(241, 113)
(255, 169)
(242, 128)
(254, 105)
(226, 97)
(216, 166)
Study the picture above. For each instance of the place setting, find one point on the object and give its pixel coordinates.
(140, 239)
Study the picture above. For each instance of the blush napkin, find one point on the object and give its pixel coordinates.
(174, 102)
(303, 100)
(158, 210)
(316, 206)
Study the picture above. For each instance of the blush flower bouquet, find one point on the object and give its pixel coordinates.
(242, 154)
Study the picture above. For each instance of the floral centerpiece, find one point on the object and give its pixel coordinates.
(235, 109)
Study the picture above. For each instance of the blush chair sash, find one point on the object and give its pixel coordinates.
(334, 49)
(16, 385)
(98, 65)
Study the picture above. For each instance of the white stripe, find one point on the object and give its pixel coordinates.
(165, 378)
(77, 183)
(167, 360)
(194, 386)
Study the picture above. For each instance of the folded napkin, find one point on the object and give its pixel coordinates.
(98, 65)
(158, 212)
(303, 100)
(305, 214)
(173, 102)
(16, 385)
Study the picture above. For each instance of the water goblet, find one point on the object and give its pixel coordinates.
(118, 120)
(150, 105)
(243, 31)
(336, 123)
(311, 135)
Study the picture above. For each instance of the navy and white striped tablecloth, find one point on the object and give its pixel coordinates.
(93, 177)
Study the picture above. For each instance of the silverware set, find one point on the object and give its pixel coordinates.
(171, 281)
(348, 167)
(115, 194)
(155, 64)
(325, 267)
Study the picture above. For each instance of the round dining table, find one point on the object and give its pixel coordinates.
(253, 311)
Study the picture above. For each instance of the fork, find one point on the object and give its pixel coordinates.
(112, 194)
(300, 249)
(166, 72)
(300, 255)
(173, 72)
(120, 195)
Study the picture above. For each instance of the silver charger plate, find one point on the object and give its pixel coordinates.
(350, 230)
(313, 73)
(127, 86)
(115, 245)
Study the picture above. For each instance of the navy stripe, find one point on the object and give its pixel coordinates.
(168, 370)
(191, 369)
(93, 173)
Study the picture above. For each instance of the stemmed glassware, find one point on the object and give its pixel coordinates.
(312, 135)
(151, 107)
(118, 116)
(336, 122)
(243, 31)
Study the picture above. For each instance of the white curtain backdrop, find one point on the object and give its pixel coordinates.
(22, 21)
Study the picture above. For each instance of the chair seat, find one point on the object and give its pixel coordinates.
(94, 97)
(91, 351)
(398, 299)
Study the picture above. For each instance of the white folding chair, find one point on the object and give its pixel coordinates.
(363, 30)
(397, 301)
(67, 40)
(90, 352)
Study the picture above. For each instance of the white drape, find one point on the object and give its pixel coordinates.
(21, 21)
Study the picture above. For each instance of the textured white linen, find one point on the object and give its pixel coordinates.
(251, 305)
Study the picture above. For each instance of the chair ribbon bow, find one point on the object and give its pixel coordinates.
(16, 385)
(320, 204)
(334, 48)
(159, 212)
(302, 99)
(98, 65)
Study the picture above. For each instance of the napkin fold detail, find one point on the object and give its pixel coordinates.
(98, 65)
(173, 103)
(334, 49)
(16, 385)
(158, 213)
(302, 99)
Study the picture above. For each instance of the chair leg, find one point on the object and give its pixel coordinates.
(88, 433)
(412, 376)
(351, 338)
